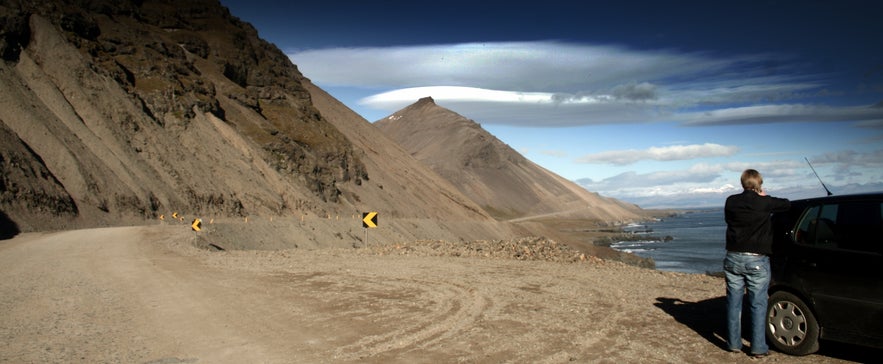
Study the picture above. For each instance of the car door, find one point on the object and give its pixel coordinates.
(839, 258)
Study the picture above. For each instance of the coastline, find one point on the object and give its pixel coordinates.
(594, 238)
(691, 241)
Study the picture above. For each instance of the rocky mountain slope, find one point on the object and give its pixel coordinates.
(129, 109)
(127, 112)
(119, 112)
(491, 173)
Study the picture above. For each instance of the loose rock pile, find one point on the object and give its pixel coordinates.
(530, 248)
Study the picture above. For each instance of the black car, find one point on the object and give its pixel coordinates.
(827, 273)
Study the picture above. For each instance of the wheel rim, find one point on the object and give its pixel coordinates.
(787, 323)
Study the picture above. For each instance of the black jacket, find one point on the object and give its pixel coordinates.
(748, 221)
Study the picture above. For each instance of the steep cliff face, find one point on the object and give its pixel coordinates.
(129, 109)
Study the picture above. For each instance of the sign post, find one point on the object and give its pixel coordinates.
(369, 220)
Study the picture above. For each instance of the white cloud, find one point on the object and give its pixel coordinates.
(517, 66)
(633, 181)
(727, 188)
(756, 114)
(873, 124)
(669, 153)
(705, 184)
(400, 98)
(547, 83)
(852, 158)
(698, 186)
(637, 92)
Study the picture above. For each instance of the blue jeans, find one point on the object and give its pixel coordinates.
(753, 272)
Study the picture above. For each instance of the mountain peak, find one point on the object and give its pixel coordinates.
(488, 171)
(426, 100)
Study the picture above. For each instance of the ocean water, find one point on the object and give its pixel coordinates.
(697, 245)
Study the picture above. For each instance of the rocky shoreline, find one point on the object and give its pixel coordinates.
(525, 249)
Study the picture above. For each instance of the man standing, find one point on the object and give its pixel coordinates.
(747, 265)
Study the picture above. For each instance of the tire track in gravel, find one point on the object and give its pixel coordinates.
(398, 315)
(449, 309)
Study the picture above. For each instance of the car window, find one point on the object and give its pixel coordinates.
(816, 228)
(848, 225)
(860, 226)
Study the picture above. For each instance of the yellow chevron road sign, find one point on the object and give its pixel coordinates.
(369, 219)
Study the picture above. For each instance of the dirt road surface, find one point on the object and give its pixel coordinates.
(148, 295)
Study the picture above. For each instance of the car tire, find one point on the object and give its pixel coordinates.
(792, 328)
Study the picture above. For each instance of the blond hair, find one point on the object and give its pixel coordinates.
(752, 180)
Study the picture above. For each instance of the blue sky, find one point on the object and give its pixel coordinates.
(659, 103)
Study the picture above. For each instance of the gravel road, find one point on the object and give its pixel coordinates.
(148, 295)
